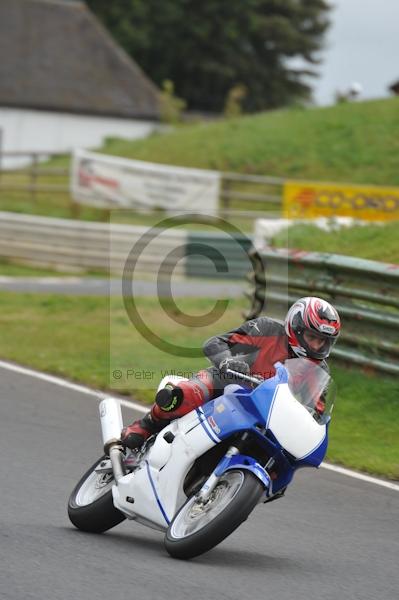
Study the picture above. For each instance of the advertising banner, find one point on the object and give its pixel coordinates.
(308, 199)
(113, 182)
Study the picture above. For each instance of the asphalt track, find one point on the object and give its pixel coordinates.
(332, 537)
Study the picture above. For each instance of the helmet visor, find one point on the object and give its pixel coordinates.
(317, 345)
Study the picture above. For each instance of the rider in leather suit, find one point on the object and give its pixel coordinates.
(310, 330)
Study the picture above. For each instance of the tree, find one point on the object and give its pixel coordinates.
(208, 47)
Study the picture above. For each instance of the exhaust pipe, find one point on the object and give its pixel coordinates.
(111, 427)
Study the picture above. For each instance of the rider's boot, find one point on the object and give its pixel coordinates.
(133, 436)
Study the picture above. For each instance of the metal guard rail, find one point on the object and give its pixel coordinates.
(365, 293)
(80, 245)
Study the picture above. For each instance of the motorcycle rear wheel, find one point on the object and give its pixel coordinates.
(196, 529)
(90, 506)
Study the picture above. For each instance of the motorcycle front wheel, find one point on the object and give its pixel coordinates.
(197, 527)
(90, 506)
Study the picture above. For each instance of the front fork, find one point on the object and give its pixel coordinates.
(233, 459)
(210, 484)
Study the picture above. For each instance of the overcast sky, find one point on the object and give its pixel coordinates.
(362, 45)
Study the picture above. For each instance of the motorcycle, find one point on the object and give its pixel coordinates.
(200, 477)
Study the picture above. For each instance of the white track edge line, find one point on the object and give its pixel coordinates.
(99, 394)
(133, 405)
(361, 476)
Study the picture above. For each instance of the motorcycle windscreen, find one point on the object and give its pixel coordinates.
(312, 386)
(293, 425)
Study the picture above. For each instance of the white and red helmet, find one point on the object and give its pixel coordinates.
(317, 317)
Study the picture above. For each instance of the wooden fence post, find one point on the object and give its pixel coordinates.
(33, 176)
(1, 152)
(75, 209)
(225, 198)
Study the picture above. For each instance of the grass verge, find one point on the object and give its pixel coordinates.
(14, 269)
(78, 341)
(374, 242)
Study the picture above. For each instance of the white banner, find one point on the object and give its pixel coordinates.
(113, 182)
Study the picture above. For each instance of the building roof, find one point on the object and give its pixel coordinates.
(55, 55)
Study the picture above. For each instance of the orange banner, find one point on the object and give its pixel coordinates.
(310, 200)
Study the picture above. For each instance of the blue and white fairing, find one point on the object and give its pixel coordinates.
(288, 427)
(281, 413)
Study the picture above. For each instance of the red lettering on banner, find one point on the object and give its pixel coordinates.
(305, 197)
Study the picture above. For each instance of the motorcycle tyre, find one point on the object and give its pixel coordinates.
(231, 517)
(97, 517)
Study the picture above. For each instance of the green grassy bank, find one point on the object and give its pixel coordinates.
(88, 340)
(354, 142)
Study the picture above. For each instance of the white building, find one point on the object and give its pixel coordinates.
(64, 82)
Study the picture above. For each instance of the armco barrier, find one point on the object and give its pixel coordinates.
(76, 245)
(365, 292)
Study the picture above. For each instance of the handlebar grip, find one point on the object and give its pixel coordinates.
(249, 378)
